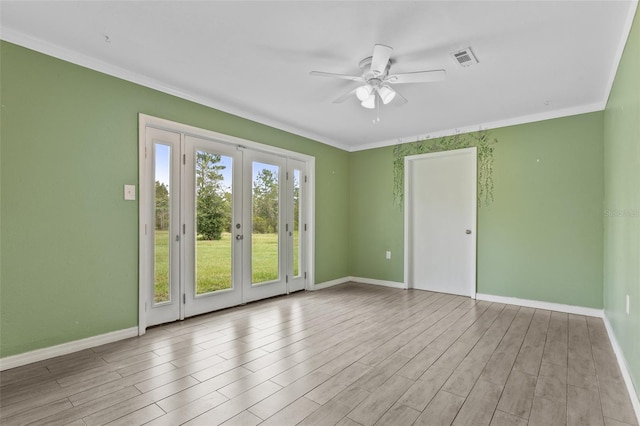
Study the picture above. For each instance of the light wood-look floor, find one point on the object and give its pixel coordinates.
(349, 355)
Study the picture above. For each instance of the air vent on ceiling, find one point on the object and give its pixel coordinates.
(464, 57)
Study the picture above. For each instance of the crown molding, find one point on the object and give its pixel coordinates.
(59, 52)
(86, 61)
(525, 119)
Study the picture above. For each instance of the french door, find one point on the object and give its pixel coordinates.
(224, 225)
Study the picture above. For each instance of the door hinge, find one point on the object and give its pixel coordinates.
(286, 227)
(305, 179)
(287, 175)
(178, 237)
(184, 298)
(305, 275)
(305, 227)
(184, 228)
(286, 278)
(184, 158)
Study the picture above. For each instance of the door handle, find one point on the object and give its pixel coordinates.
(239, 237)
(468, 231)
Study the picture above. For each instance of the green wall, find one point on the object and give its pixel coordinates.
(69, 242)
(376, 225)
(542, 236)
(622, 203)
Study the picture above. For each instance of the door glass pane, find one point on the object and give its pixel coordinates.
(162, 219)
(296, 223)
(213, 222)
(265, 215)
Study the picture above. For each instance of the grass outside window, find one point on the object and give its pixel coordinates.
(213, 263)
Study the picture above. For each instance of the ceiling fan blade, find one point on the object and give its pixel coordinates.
(345, 97)
(341, 76)
(417, 77)
(380, 59)
(400, 100)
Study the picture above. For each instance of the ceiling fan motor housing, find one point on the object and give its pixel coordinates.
(367, 74)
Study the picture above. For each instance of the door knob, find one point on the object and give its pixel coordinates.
(239, 237)
(468, 231)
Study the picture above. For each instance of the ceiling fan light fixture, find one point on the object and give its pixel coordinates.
(363, 92)
(370, 102)
(386, 94)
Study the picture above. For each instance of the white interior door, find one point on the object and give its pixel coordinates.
(221, 226)
(440, 221)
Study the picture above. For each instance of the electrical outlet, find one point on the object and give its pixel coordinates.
(388, 255)
(627, 304)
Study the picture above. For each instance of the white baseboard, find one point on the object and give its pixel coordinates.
(361, 280)
(65, 348)
(331, 283)
(537, 304)
(384, 283)
(634, 394)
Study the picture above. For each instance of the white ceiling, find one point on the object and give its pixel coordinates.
(538, 59)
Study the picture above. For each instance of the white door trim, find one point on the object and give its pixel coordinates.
(145, 121)
(143, 200)
(408, 160)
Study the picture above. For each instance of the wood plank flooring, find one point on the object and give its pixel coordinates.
(353, 354)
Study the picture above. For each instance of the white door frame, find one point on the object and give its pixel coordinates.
(144, 203)
(408, 162)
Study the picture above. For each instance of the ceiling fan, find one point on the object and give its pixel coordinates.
(377, 79)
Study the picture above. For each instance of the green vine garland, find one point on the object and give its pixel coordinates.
(479, 139)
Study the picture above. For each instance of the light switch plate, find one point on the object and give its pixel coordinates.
(129, 192)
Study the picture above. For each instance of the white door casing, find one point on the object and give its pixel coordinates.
(440, 221)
